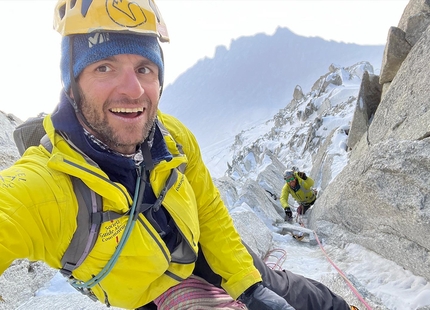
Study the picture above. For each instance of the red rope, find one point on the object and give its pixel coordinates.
(277, 265)
(351, 286)
(300, 220)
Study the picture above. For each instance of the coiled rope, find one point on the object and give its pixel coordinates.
(195, 293)
(275, 258)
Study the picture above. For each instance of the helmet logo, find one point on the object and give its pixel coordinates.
(125, 13)
(98, 38)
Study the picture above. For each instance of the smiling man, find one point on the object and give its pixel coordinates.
(162, 217)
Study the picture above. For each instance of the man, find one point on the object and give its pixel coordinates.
(299, 185)
(108, 132)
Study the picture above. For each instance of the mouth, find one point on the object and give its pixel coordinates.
(127, 112)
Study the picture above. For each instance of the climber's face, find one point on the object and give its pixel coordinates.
(291, 182)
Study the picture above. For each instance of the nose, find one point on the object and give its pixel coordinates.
(130, 84)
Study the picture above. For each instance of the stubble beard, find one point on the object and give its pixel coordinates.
(100, 128)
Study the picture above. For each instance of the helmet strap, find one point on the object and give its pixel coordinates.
(73, 84)
(162, 59)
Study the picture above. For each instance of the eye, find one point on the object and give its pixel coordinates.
(103, 68)
(144, 70)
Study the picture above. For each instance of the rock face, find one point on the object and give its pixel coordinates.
(8, 152)
(367, 103)
(381, 199)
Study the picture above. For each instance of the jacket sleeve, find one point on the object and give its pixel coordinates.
(219, 240)
(31, 222)
(308, 183)
(284, 196)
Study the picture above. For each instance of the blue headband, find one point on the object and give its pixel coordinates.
(92, 47)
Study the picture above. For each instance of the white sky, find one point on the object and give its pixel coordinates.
(29, 56)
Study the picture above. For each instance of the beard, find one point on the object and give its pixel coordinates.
(115, 139)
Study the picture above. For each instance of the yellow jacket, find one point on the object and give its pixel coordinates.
(38, 218)
(304, 195)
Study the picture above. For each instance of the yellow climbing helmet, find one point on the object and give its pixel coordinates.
(85, 16)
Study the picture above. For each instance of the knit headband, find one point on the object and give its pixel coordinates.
(92, 47)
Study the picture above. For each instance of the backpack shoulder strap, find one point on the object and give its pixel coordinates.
(89, 219)
(85, 236)
(47, 144)
(86, 232)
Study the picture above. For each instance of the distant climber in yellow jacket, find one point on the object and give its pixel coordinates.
(299, 185)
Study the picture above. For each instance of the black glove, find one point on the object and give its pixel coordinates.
(302, 175)
(288, 213)
(258, 297)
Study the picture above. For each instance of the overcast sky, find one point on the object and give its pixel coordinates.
(30, 49)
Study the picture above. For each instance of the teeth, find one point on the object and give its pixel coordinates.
(126, 110)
